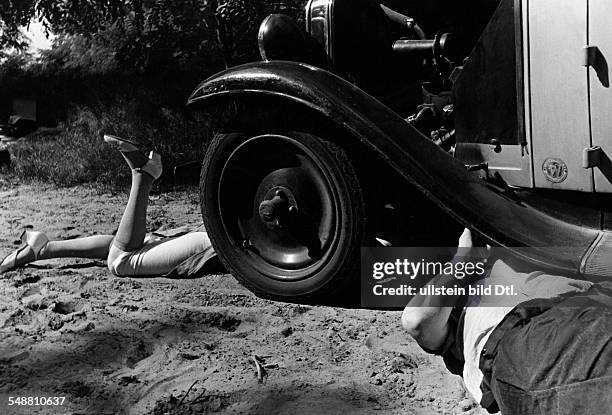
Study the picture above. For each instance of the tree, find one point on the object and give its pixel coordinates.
(152, 31)
(14, 15)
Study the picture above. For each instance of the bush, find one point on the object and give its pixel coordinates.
(125, 69)
(79, 155)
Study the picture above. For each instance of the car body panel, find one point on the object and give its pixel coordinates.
(489, 102)
(600, 36)
(532, 94)
(495, 212)
(559, 93)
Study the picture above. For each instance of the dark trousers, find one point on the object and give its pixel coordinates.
(552, 357)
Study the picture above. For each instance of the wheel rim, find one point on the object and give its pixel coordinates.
(279, 207)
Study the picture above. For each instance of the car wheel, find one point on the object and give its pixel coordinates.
(285, 213)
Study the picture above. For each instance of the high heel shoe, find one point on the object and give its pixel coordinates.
(153, 167)
(123, 145)
(131, 152)
(34, 241)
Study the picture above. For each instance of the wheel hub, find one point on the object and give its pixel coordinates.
(279, 204)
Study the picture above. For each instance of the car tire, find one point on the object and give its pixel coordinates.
(286, 214)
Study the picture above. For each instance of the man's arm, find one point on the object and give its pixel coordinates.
(427, 325)
(425, 318)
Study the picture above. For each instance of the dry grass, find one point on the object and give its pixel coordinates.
(78, 154)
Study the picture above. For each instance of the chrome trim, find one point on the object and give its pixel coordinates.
(319, 23)
(260, 35)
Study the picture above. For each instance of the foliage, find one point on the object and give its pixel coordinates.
(77, 55)
(13, 16)
(14, 65)
(123, 67)
(164, 45)
(148, 33)
(79, 155)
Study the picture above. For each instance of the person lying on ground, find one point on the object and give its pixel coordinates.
(547, 351)
(131, 251)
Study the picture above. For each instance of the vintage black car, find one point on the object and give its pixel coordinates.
(374, 127)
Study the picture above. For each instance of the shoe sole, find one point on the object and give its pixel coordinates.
(121, 143)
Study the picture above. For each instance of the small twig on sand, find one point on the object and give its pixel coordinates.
(187, 393)
(197, 397)
(262, 374)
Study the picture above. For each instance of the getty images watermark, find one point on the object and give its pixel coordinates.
(390, 277)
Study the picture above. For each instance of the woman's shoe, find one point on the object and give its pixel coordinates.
(130, 151)
(153, 167)
(123, 145)
(34, 241)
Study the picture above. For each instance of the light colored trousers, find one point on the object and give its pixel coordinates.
(158, 256)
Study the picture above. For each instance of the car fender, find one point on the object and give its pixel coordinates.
(485, 208)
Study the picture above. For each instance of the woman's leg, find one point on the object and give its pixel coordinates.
(95, 247)
(39, 248)
(133, 226)
(159, 257)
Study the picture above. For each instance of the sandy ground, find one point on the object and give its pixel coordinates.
(109, 345)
